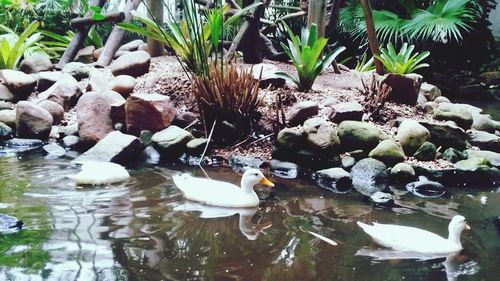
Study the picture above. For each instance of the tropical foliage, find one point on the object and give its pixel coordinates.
(195, 38)
(306, 54)
(413, 21)
(13, 46)
(402, 62)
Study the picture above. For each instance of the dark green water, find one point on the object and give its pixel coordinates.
(141, 230)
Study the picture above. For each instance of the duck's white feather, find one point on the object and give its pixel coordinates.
(411, 239)
(213, 192)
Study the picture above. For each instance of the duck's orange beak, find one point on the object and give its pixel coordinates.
(467, 227)
(266, 182)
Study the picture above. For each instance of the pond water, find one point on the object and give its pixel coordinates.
(144, 230)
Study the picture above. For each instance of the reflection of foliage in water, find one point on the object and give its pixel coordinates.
(23, 249)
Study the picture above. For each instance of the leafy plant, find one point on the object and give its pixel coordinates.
(13, 47)
(306, 54)
(414, 21)
(364, 65)
(193, 39)
(402, 62)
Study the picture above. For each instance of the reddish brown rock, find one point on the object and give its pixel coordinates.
(55, 109)
(151, 112)
(93, 115)
(32, 121)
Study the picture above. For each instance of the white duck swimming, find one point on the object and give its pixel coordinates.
(415, 240)
(223, 194)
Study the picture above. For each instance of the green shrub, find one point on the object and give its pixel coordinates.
(13, 47)
(306, 54)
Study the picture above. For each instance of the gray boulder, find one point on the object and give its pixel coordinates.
(482, 122)
(484, 140)
(492, 157)
(442, 99)
(402, 172)
(283, 169)
(77, 69)
(32, 121)
(36, 63)
(369, 176)
(98, 82)
(301, 111)
(20, 83)
(171, 142)
(429, 107)
(430, 91)
(347, 162)
(70, 141)
(321, 135)
(85, 55)
(454, 112)
(412, 135)
(473, 164)
(426, 152)
(346, 111)
(333, 179)
(131, 46)
(389, 152)
(290, 138)
(196, 146)
(133, 64)
(8, 117)
(114, 147)
(242, 162)
(446, 135)
(452, 155)
(359, 135)
(6, 132)
(6, 94)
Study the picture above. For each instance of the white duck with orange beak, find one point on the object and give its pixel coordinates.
(415, 240)
(223, 194)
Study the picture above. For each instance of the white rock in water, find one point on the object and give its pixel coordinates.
(96, 173)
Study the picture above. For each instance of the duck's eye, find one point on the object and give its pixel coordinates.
(255, 174)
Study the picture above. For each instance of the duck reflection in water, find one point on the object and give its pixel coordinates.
(250, 230)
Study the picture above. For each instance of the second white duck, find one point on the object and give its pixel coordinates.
(412, 239)
(223, 194)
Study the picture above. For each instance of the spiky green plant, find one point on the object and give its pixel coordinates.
(404, 61)
(306, 54)
(364, 65)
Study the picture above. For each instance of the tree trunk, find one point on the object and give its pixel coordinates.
(116, 36)
(317, 14)
(80, 23)
(155, 48)
(372, 36)
(77, 41)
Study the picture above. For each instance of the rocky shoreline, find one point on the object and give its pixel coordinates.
(140, 109)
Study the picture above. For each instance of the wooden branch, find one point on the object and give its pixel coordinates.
(116, 36)
(80, 23)
(245, 28)
(77, 41)
(155, 48)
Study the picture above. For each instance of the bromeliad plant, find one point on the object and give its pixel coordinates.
(306, 54)
(402, 62)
